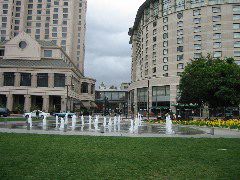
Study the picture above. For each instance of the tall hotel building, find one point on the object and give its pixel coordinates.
(42, 49)
(167, 34)
(62, 21)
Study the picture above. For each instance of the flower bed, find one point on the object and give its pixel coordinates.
(232, 123)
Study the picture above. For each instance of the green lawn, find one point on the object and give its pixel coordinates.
(76, 157)
(12, 119)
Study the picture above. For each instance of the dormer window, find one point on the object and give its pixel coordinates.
(47, 53)
(22, 44)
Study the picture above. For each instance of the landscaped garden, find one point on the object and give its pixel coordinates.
(231, 124)
(78, 157)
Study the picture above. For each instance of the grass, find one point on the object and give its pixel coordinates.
(2, 119)
(77, 157)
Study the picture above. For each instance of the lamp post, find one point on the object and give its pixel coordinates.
(68, 96)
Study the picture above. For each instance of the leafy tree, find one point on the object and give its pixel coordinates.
(215, 82)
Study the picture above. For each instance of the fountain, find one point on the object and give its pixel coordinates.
(82, 119)
(131, 129)
(110, 124)
(30, 121)
(57, 122)
(96, 123)
(136, 124)
(169, 125)
(90, 123)
(119, 123)
(74, 121)
(62, 125)
(66, 119)
(104, 123)
(115, 123)
(44, 123)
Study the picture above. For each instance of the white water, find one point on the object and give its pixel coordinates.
(169, 125)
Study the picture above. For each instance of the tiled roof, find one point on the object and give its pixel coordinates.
(2, 42)
(48, 63)
(45, 43)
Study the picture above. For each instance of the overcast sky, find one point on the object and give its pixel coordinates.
(108, 53)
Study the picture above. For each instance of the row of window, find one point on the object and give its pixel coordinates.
(42, 80)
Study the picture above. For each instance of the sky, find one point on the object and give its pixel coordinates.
(108, 52)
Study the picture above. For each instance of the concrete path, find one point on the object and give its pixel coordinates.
(218, 133)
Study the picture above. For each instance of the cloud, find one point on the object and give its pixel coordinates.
(108, 53)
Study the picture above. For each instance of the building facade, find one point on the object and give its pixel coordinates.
(62, 21)
(167, 35)
(36, 74)
(112, 100)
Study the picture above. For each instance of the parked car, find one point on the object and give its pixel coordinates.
(4, 112)
(64, 114)
(33, 114)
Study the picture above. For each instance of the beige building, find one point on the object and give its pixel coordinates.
(62, 21)
(36, 74)
(167, 34)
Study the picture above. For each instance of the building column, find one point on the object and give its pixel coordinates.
(68, 79)
(34, 80)
(135, 102)
(27, 103)
(10, 102)
(63, 103)
(45, 103)
(173, 97)
(1, 79)
(17, 79)
(51, 80)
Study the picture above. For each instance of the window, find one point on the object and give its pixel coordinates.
(165, 59)
(216, 9)
(180, 66)
(25, 79)
(165, 43)
(236, 53)
(197, 29)
(197, 38)
(216, 27)
(47, 53)
(165, 67)
(22, 44)
(236, 35)
(236, 9)
(196, 12)
(84, 87)
(217, 45)
(180, 40)
(216, 18)
(217, 54)
(9, 78)
(59, 80)
(237, 44)
(180, 23)
(180, 49)
(197, 20)
(160, 93)
(217, 36)
(197, 55)
(236, 17)
(180, 57)
(42, 80)
(236, 26)
(154, 70)
(197, 46)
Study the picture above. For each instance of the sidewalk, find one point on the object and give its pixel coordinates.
(219, 133)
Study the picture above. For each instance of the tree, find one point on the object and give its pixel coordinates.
(215, 82)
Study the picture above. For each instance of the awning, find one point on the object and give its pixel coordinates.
(86, 104)
(93, 105)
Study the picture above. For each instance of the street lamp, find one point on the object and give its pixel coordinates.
(148, 109)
